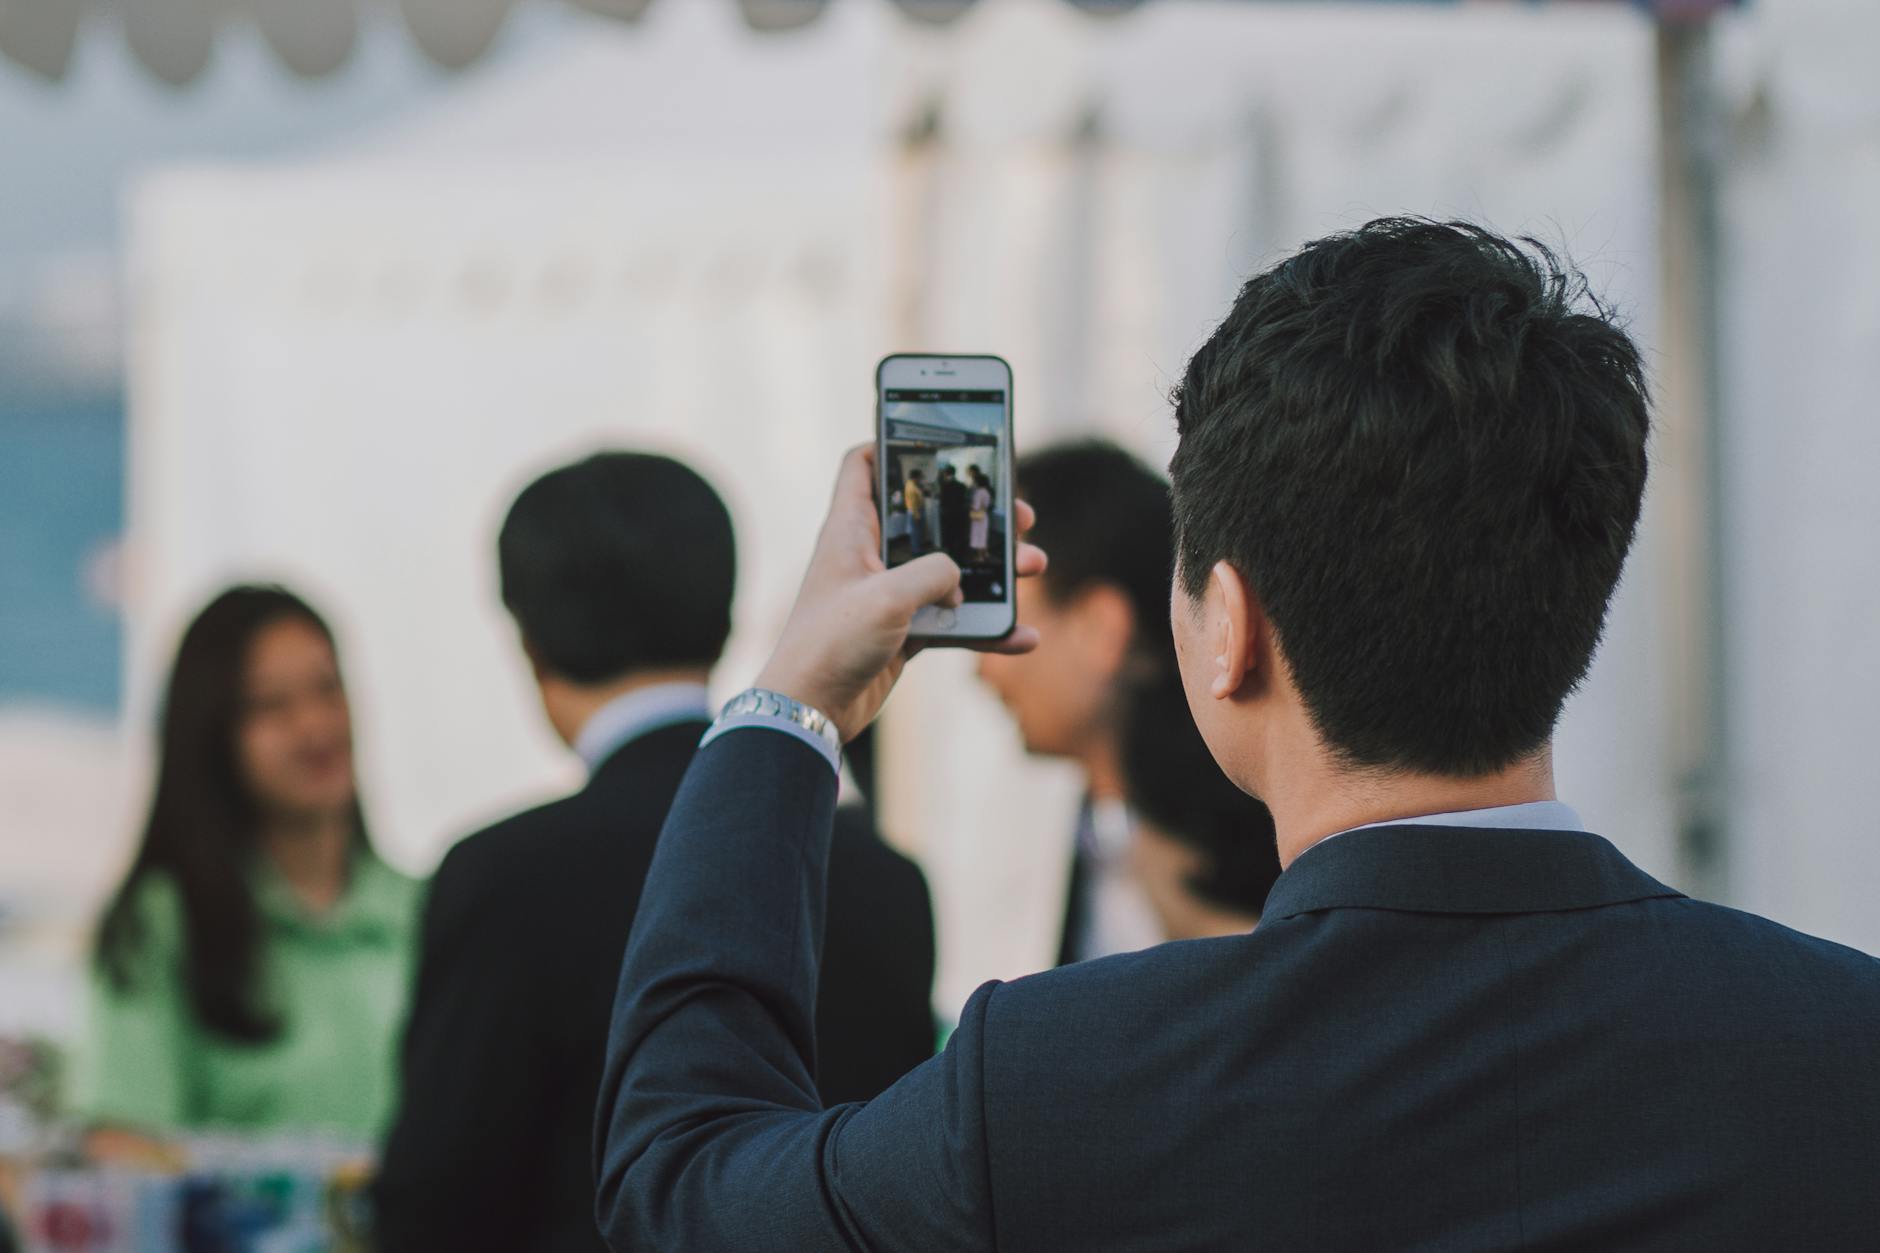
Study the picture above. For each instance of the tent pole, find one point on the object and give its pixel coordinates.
(1690, 441)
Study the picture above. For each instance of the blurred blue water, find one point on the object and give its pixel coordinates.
(61, 510)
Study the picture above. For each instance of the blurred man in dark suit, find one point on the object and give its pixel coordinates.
(618, 571)
(1102, 612)
(1411, 464)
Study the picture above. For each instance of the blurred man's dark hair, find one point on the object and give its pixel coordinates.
(621, 562)
(1423, 446)
(1104, 516)
(1175, 785)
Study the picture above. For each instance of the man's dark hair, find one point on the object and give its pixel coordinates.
(1423, 445)
(1173, 784)
(1104, 517)
(621, 562)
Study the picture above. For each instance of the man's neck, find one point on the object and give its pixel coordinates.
(570, 706)
(1313, 800)
(1103, 769)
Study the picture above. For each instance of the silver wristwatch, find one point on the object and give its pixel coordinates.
(765, 703)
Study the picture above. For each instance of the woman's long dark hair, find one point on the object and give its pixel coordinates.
(203, 821)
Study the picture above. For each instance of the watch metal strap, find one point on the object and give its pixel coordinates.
(761, 702)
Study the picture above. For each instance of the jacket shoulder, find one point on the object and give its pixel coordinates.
(514, 860)
(1736, 936)
(496, 847)
(1128, 996)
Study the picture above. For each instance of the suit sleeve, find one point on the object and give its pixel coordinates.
(463, 1156)
(710, 1133)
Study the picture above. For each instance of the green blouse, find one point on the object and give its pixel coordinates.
(339, 983)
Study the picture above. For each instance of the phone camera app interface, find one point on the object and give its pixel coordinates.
(945, 482)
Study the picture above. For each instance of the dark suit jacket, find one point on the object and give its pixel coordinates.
(1076, 897)
(1437, 1039)
(523, 933)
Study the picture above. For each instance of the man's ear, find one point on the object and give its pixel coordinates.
(535, 658)
(1235, 627)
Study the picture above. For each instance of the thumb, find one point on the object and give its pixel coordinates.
(921, 582)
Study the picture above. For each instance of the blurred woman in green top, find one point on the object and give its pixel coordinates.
(251, 971)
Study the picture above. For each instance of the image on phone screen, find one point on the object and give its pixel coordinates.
(945, 479)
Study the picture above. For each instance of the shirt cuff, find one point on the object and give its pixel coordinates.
(775, 722)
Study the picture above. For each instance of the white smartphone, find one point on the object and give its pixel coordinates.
(943, 454)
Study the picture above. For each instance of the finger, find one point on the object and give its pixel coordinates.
(855, 481)
(921, 582)
(1024, 515)
(853, 526)
(1030, 561)
(1022, 640)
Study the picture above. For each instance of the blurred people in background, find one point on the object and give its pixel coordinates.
(1203, 848)
(980, 515)
(914, 496)
(618, 571)
(251, 969)
(955, 529)
(1102, 609)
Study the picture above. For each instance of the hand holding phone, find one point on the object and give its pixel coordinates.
(848, 635)
(943, 454)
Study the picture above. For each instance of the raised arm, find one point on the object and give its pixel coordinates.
(710, 1133)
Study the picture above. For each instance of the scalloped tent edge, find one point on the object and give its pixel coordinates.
(175, 39)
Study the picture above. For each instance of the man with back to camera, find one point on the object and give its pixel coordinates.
(1410, 467)
(618, 571)
(1102, 616)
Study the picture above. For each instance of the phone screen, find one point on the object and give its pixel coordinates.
(946, 483)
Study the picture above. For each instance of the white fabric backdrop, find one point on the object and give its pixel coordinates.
(342, 368)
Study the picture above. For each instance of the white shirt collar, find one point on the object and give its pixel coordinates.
(633, 714)
(1528, 816)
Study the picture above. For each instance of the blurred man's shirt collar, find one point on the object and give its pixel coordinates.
(633, 714)
(1116, 915)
